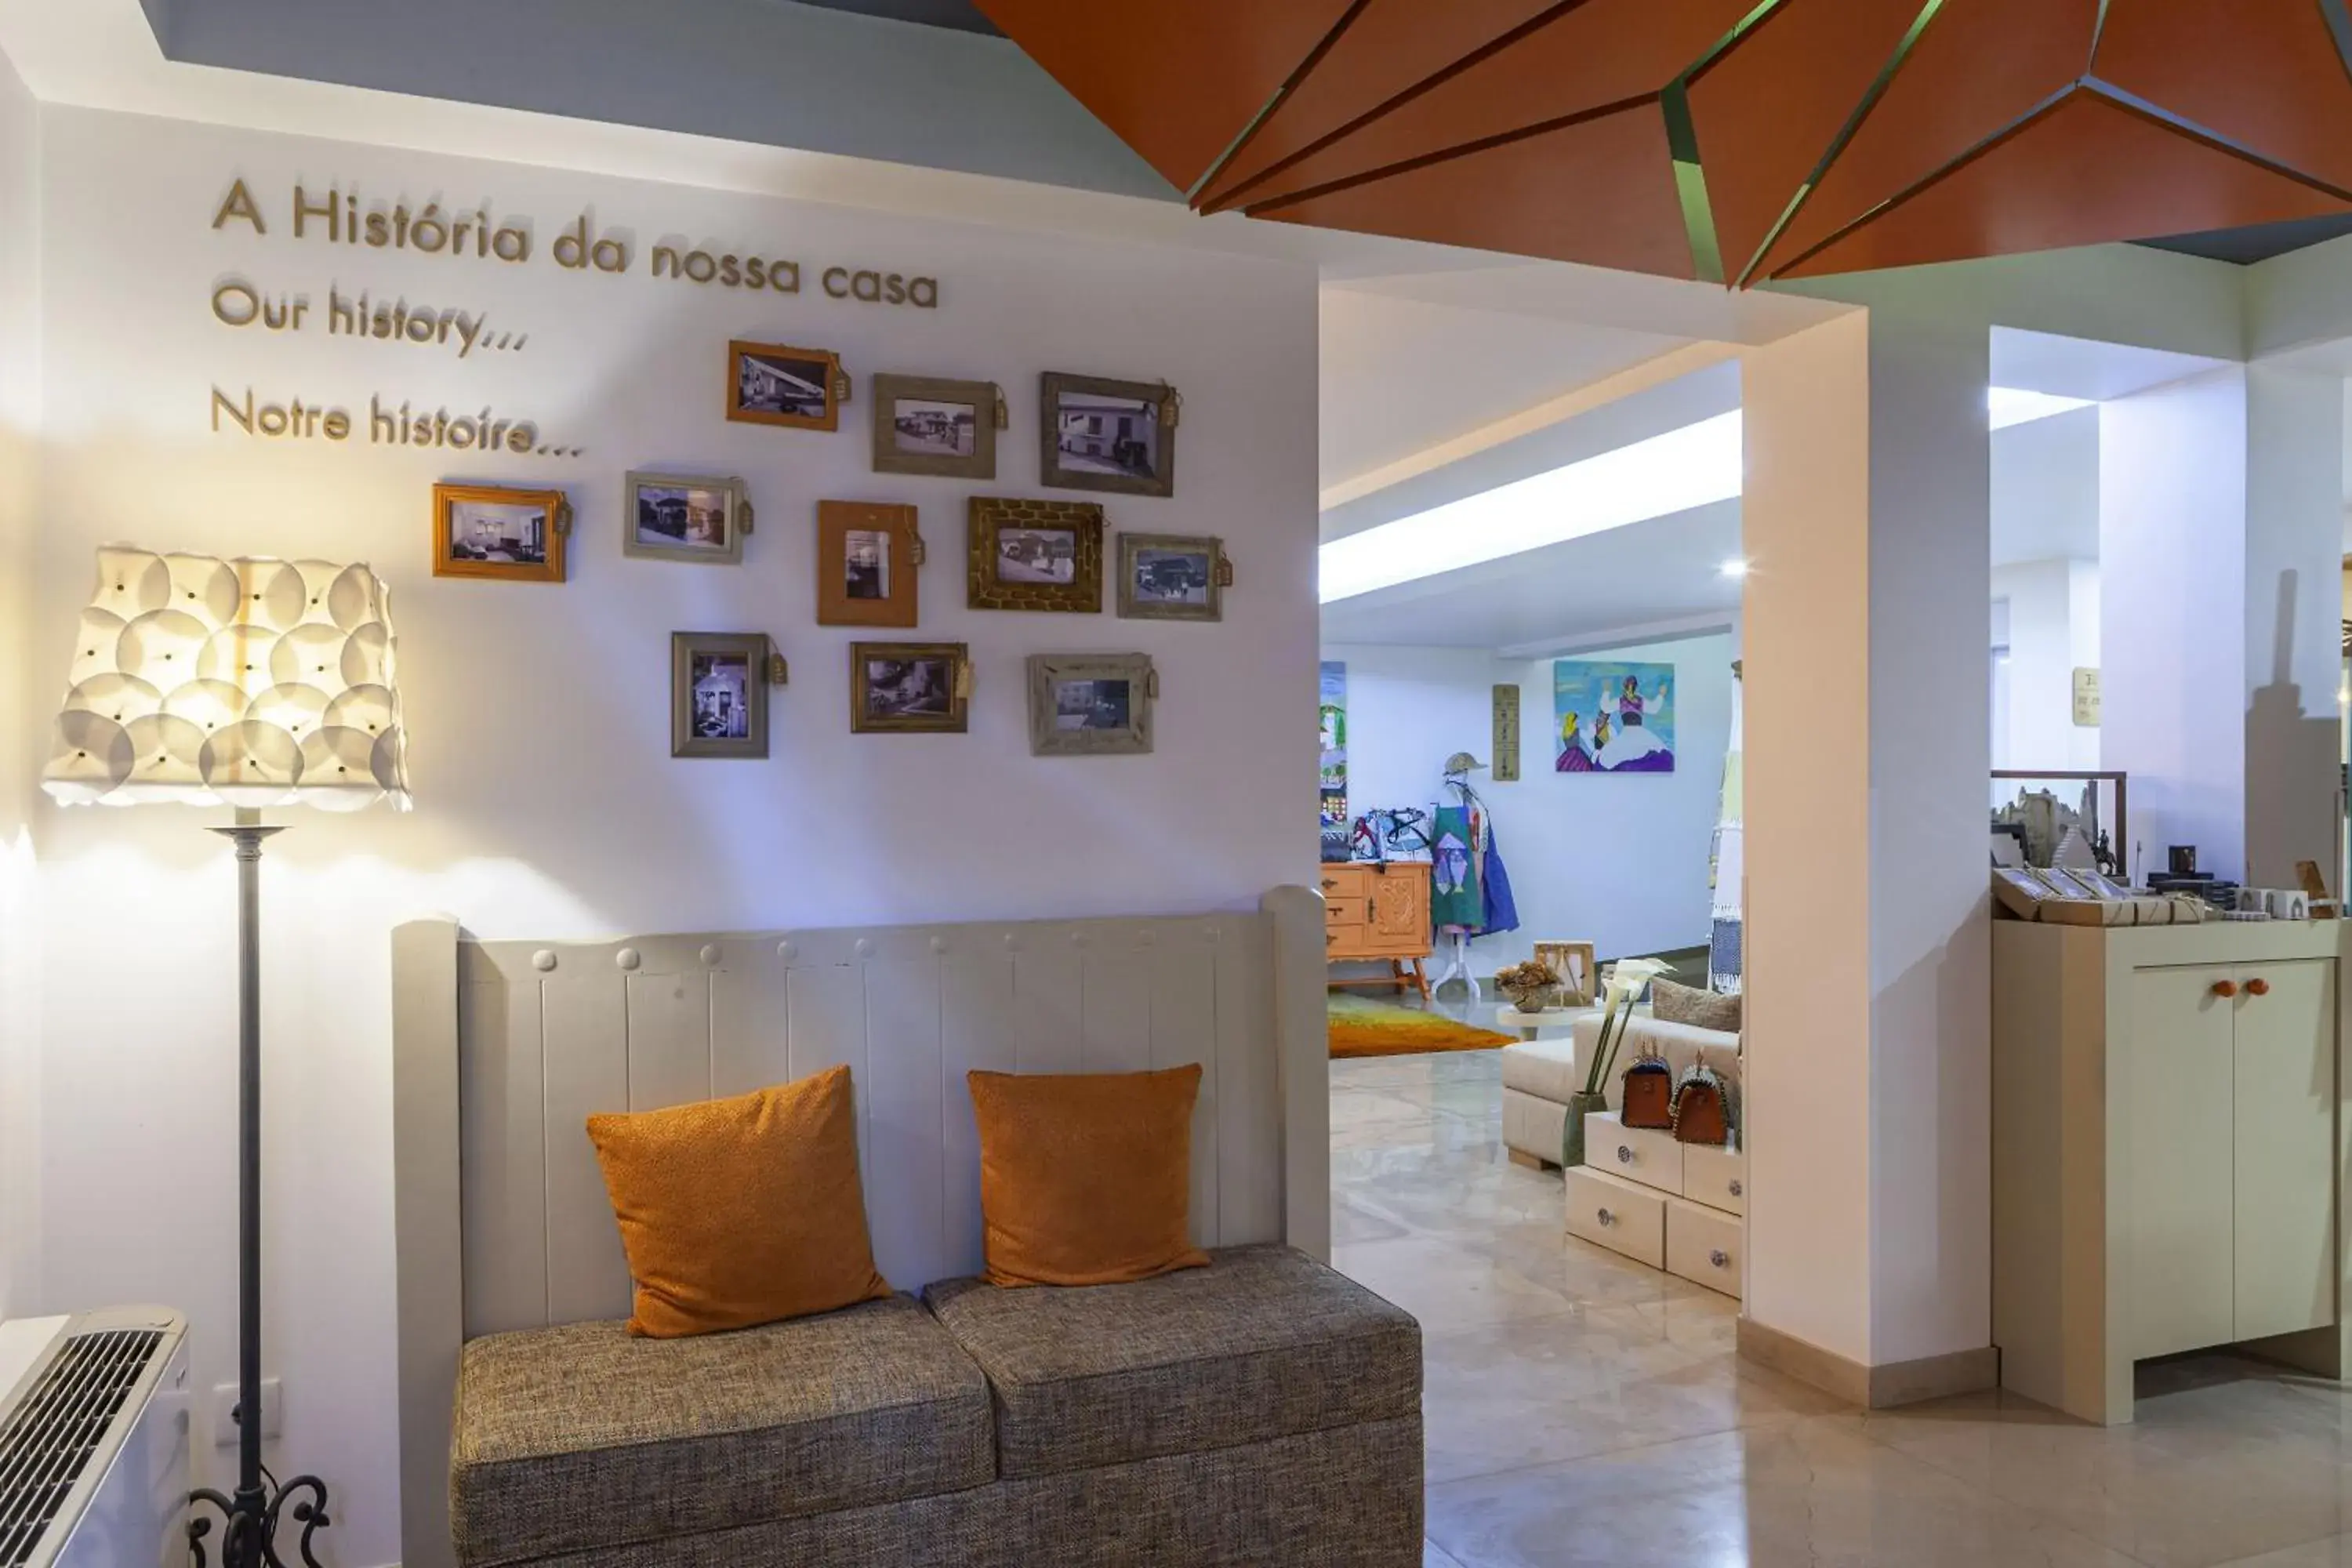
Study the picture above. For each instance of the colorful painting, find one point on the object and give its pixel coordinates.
(1333, 713)
(1612, 718)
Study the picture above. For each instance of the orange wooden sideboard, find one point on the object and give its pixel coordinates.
(1380, 912)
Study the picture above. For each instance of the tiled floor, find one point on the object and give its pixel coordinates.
(1581, 1409)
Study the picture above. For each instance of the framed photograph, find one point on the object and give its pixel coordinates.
(677, 517)
(771, 383)
(909, 688)
(1170, 577)
(924, 425)
(718, 694)
(1579, 974)
(1035, 555)
(1102, 435)
(1090, 704)
(495, 530)
(867, 556)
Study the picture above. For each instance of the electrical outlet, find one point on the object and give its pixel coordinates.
(224, 1432)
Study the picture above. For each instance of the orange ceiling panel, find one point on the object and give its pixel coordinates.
(1586, 57)
(1388, 49)
(1177, 82)
(2053, 184)
(1812, 136)
(1768, 111)
(2288, 98)
(1957, 87)
(1601, 191)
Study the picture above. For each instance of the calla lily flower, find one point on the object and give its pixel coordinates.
(1626, 980)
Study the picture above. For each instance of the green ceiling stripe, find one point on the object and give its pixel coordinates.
(1313, 57)
(1968, 155)
(2125, 98)
(2339, 26)
(1690, 185)
(1846, 132)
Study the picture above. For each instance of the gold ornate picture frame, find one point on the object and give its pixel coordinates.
(1033, 555)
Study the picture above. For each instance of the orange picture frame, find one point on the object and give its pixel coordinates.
(771, 383)
(499, 532)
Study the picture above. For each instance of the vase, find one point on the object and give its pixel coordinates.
(1529, 998)
(1572, 1143)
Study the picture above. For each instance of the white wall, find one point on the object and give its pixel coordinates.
(548, 802)
(1618, 861)
(19, 931)
(2054, 629)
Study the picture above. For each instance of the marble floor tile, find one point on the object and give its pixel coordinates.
(1448, 1286)
(2336, 1552)
(1811, 1492)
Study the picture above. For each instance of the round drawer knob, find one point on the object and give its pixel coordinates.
(1625, 1156)
(2258, 987)
(1737, 1189)
(1719, 1258)
(1605, 1217)
(2225, 989)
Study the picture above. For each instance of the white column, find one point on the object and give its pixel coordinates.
(1866, 524)
(2172, 567)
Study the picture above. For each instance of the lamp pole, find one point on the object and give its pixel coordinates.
(249, 1519)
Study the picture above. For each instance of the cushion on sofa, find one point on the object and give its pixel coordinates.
(1264, 1343)
(1544, 1068)
(585, 1436)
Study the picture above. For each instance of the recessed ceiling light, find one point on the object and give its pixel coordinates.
(1735, 567)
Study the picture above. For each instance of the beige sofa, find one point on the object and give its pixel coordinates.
(1262, 1410)
(1540, 1076)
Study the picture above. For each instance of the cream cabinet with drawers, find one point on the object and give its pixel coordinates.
(2168, 1151)
(1672, 1205)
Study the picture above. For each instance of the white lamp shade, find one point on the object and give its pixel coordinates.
(246, 682)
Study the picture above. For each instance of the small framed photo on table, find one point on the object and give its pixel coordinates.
(498, 531)
(925, 425)
(677, 517)
(773, 384)
(909, 689)
(718, 694)
(1090, 704)
(867, 557)
(1035, 555)
(1105, 435)
(1172, 577)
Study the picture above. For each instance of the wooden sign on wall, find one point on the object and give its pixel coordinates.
(1506, 734)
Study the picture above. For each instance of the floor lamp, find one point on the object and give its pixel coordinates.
(249, 684)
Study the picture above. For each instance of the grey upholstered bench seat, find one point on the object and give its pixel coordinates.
(1264, 1343)
(584, 1438)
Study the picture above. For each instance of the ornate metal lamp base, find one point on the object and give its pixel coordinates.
(249, 1523)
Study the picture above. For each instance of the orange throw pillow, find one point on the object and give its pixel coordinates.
(742, 1211)
(1085, 1178)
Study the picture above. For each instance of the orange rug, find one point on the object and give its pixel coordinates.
(1361, 1027)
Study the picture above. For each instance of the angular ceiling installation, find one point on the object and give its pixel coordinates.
(1733, 140)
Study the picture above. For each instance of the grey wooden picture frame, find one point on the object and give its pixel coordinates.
(1135, 604)
(1123, 477)
(982, 396)
(1050, 673)
(739, 520)
(753, 649)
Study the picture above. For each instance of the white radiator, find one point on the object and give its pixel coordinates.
(94, 1441)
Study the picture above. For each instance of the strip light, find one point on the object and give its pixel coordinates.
(1696, 465)
(1693, 466)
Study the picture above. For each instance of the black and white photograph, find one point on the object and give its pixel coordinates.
(906, 686)
(680, 517)
(1036, 555)
(927, 424)
(866, 563)
(771, 384)
(499, 532)
(1103, 434)
(1170, 577)
(722, 705)
(1090, 704)
(718, 694)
